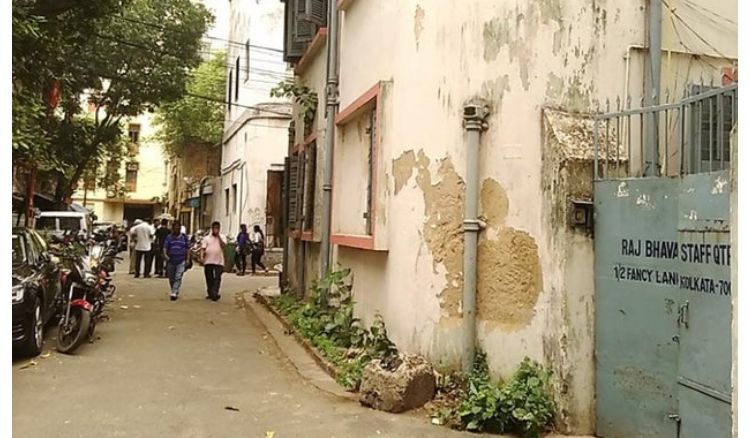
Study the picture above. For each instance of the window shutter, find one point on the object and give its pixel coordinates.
(294, 45)
(316, 11)
(293, 191)
(309, 196)
(304, 30)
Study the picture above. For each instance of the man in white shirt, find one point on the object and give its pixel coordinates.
(143, 234)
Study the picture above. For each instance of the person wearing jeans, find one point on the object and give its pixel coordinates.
(212, 255)
(176, 252)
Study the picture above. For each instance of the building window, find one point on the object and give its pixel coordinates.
(226, 202)
(355, 180)
(134, 133)
(237, 79)
(713, 119)
(131, 177)
(247, 60)
(234, 198)
(308, 197)
(229, 92)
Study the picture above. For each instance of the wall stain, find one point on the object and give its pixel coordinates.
(555, 86)
(418, 24)
(495, 90)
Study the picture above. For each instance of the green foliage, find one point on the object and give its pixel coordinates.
(302, 95)
(523, 404)
(327, 320)
(104, 53)
(194, 119)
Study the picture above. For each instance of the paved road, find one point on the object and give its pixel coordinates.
(169, 369)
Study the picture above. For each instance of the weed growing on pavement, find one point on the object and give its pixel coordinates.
(327, 320)
(523, 404)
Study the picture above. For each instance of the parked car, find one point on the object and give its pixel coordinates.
(36, 288)
(58, 222)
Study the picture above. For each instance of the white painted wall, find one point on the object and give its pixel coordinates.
(255, 141)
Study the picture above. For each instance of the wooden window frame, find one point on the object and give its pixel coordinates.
(306, 234)
(348, 114)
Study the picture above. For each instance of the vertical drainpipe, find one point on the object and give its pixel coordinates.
(332, 97)
(474, 121)
(653, 96)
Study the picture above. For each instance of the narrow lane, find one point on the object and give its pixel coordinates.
(170, 369)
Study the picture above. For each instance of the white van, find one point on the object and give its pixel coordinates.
(60, 221)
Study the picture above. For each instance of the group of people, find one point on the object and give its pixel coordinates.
(170, 248)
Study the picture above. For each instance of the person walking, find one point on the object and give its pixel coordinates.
(259, 248)
(243, 248)
(143, 234)
(131, 245)
(161, 233)
(176, 252)
(212, 256)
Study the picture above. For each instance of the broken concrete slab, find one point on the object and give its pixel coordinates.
(407, 386)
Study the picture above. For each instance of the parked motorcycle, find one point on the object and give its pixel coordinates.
(76, 306)
(87, 287)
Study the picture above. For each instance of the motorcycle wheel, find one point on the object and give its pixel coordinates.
(79, 322)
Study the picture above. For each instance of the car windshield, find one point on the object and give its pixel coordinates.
(70, 224)
(45, 223)
(19, 251)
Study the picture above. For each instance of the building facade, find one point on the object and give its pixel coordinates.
(144, 173)
(191, 179)
(400, 171)
(254, 145)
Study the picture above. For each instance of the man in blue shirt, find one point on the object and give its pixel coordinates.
(176, 253)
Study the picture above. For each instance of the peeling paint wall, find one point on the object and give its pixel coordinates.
(535, 276)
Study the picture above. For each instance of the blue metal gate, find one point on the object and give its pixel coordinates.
(663, 297)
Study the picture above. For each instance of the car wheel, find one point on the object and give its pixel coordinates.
(36, 330)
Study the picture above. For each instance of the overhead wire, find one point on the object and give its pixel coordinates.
(164, 28)
(673, 12)
(696, 7)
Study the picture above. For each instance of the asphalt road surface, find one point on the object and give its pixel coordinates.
(171, 369)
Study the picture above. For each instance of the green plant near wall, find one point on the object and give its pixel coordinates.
(327, 319)
(524, 404)
(302, 95)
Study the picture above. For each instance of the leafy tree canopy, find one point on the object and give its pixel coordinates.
(198, 117)
(123, 57)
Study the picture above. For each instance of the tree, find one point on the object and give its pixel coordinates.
(198, 117)
(124, 57)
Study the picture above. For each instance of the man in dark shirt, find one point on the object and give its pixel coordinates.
(161, 233)
(177, 252)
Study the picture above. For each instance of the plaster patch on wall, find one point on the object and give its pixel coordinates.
(418, 24)
(509, 281)
(442, 229)
(494, 203)
(403, 168)
(509, 278)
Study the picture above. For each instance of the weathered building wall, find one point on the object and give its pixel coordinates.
(519, 58)
(255, 140)
(535, 272)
